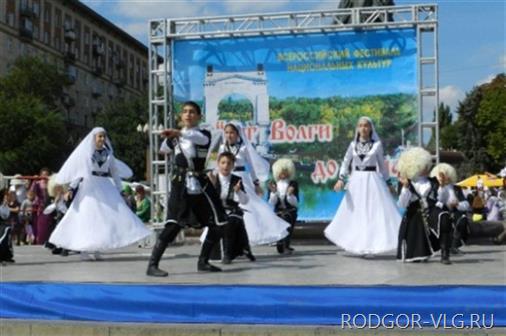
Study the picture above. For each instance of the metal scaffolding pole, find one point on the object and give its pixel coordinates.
(163, 32)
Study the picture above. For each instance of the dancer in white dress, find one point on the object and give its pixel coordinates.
(98, 218)
(367, 220)
(262, 224)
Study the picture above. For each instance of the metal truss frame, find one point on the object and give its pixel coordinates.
(163, 33)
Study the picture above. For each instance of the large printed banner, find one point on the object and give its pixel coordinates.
(300, 96)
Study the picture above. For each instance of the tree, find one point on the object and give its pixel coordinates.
(481, 127)
(31, 76)
(120, 119)
(491, 119)
(32, 136)
(448, 135)
(31, 122)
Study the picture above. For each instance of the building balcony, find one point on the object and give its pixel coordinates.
(26, 12)
(98, 49)
(119, 82)
(96, 92)
(98, 70)
(69, 56)
(70, 35)
(120, 64)
(25, 34)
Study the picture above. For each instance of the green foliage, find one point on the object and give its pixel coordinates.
(390, 113)
(31, 122)
(120, 119)
(31, 76)
(32, 136)
(445, 116)
(481, 126)
(448, 136)
(491, 118)
(230, 109)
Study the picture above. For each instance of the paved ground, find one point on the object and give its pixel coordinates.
(314, 263)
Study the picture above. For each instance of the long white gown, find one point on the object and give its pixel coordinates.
(367, 220)
(262, 224)
(98, 218)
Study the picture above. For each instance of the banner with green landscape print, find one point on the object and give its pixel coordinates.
(301, 95)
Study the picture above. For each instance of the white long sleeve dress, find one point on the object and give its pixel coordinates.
(367, 220)
(98, 218)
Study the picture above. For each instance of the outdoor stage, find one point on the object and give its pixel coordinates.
(316, 286)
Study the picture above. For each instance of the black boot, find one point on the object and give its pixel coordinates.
(203, 264)
(280, 246)
(250, 255)
(445, 248)
(445, 257)
(288, 248)
(154, 260)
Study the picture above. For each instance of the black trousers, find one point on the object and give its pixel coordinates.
(193, 210)
(188, 210)
(235, 238)
(290, 216)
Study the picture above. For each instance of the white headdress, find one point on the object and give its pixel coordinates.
(79, 164)
(260, 165)
(374, 136)
(447, 169)
(283, 164)
(413, 162)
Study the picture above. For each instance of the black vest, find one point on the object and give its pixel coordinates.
(279, 204)
(199, 162)
(229, 202)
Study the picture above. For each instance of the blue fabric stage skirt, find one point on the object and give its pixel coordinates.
(232, 304)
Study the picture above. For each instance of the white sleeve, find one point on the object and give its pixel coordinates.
(62, 207)
(4, 211)
(404, 198)
(348, 157)
(195, 136)
(115, 176)
(443, 197)
(164, 148)
(381, 162)
(75, 183)
(241, 197)
(292, 200)
(273, 199)
(463, 206)
(452, 198)
(247, 158)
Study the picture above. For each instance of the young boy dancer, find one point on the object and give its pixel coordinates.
(232, 194)
(192, 196)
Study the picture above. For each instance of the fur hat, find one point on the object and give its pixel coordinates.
(283, 164)
(447, 169)
(51, 186)
(413, 162)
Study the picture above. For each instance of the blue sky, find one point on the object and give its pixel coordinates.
(472, 33)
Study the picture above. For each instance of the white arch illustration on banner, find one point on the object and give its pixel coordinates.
(250, 84)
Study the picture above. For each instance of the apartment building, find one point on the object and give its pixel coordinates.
(101, 61)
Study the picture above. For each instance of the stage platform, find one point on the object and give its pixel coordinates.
(318, 289)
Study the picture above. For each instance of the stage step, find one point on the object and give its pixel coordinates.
(58, 328)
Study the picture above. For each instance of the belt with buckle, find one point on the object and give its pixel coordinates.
(366, 168)
(101, 174)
